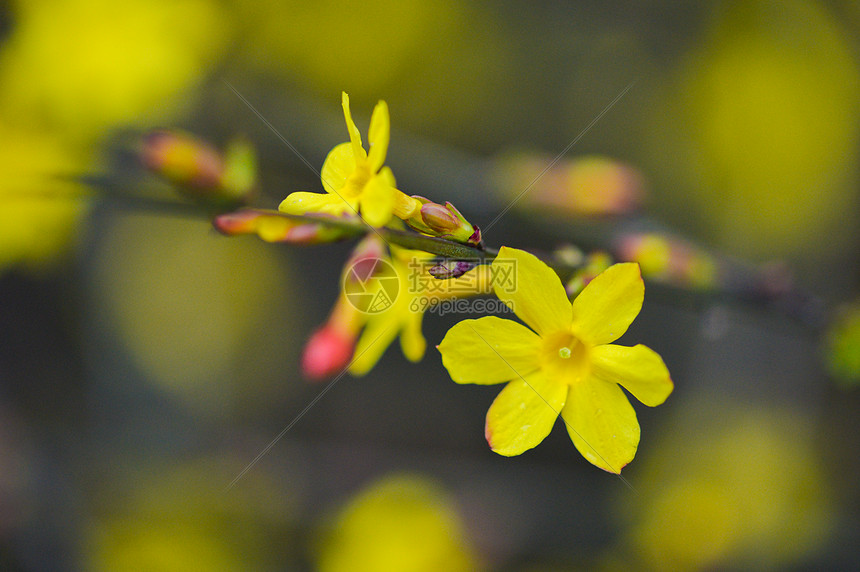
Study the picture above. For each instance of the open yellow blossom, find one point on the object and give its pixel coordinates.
(354, 179)
(565, 364)
(417, 292)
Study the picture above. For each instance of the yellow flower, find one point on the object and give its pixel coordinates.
(355, 179)
(568, 367)
(417, 292)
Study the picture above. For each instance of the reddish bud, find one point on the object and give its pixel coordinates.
(183, 160)
(669, 259)
(235, 223)
(591, 186)
(273, 226)
(201, 172)
(444, 221)
(327, 353)
(439, 218)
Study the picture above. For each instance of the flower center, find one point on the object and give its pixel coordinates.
(356, 181)
(565, 357)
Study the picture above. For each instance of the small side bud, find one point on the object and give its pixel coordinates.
(273, 226)
(444, 221)
(671, 260)
(330, 349)
(183, 160)
(439, 218)
(590, 186)
(327, 353)
(199, 171)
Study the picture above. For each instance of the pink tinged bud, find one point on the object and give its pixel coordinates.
(439, 218)
(444, 221)
(327, 353)
(467, 232)
(235, 223)
(273, 226)
(587, 186)
(671, 260)
(451, 269)
(651, 250)
(599, 186)
(183, 160)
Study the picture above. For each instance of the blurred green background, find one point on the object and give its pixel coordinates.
(146, 360)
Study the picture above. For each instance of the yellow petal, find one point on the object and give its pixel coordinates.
(489, 350)
(377, 336)
(523, 413)
(387, 176)
(609, 304)
(302, 202)
(354, 135)
(405, 207)
(377, 201)
(602, 424)
(532, 290)
(412, 341)
(378, 136)
(639, 369)
(338, 166)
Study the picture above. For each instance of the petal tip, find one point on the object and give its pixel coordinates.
(614, 471)
(488, 435)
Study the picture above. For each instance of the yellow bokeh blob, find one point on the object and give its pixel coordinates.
(71, 71)
(437, 61)
(732, 486)
(341, 45)
(197, 312)
(770, 109)
(176, 516)
(38, 208)
(842, 345)
(402, 522)
(83, 66)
